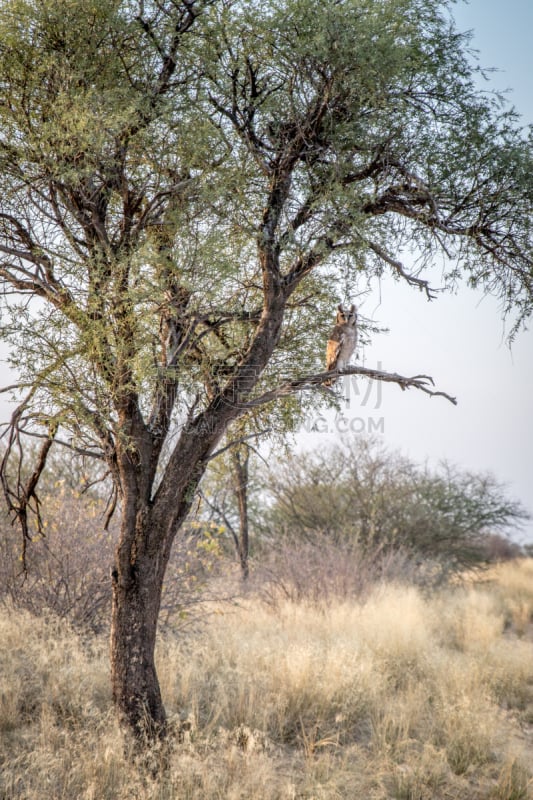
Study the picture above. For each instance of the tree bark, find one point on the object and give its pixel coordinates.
(149, 526)
(136, 691)
(139, 566)
(135, 609)
(240, 472)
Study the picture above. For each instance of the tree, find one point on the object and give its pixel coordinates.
(227, 498)
(363, 494)
(183, 181)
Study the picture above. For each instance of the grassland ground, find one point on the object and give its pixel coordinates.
(406, 695)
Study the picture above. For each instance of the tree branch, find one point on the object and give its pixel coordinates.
(421, 382)
(79, 451)
(20, 498)
(398, 267)
(240, 440)
(222, 514)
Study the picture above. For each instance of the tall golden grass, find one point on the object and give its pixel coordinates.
(403, 696)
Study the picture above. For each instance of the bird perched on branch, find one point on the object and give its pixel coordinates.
(342, 341)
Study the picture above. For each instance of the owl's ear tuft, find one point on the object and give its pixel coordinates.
(352, 309)
(340, 308)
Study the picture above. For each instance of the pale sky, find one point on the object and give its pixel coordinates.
(459, 340)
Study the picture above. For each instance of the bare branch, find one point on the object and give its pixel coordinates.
(220, 511)
(421, 382)
(240, 440)
(19, 498)
(79, 451)
(398, 267)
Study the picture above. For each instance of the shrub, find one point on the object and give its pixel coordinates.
(361, 493)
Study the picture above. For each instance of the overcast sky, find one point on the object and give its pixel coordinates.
(460, 340)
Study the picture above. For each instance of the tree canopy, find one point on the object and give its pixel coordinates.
(166, 164)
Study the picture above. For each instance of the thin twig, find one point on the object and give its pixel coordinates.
(240, 440)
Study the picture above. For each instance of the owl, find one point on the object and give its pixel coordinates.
(342, 341)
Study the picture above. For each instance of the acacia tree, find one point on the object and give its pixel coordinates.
(181, 181)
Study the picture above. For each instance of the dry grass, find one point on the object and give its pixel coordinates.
(515, 589)
(404, 696)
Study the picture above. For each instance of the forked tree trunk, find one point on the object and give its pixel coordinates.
(148, 528)
(150, 521)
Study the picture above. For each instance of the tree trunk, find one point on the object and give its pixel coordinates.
(135, 610)
(240, 471)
